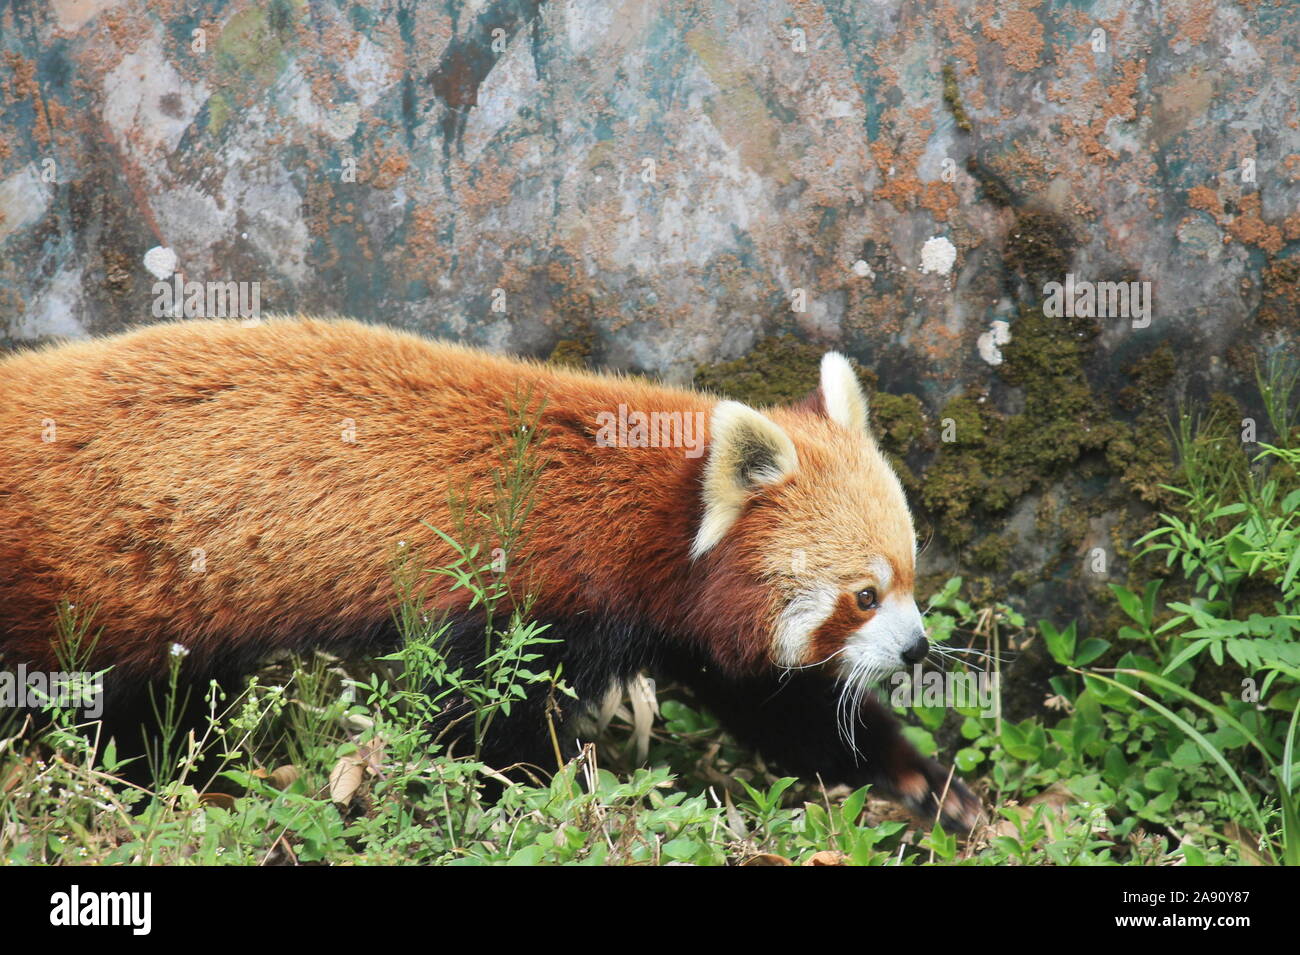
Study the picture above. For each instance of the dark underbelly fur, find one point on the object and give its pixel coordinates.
(789, 718)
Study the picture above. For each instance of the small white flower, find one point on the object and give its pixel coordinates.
(180, 650)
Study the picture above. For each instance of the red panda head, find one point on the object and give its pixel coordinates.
(803, 500)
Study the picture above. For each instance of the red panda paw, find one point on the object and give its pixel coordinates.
(930, 787)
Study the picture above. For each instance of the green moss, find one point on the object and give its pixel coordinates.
(991, 553)
(901, 427)
(779, 370)
(1045, 358)
(1279, 304)
(994, 459)
(571, 353)
(218, 113)
(255, 43)
(952, 98)
(1064, 429)
(900, 421)
(1151, 376)
(962, 422)
(1223, 407)
(578, 345)
(1143, 457)
(1039, 247)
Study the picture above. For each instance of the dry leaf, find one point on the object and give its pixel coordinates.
(767, 858)
(735, 818)
(220, 800)
(15, 775)
(346, 777)
(1056, 798)
(284, 776)
(827, 857)
(281, 853)
(1247, 843)
(372, 754)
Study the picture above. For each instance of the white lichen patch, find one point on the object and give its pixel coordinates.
(160, 261)
(369, 72)
(54, 312)
(937, 255)
(991, 342)
(340, 120)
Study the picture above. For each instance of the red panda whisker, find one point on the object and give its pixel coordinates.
(969, 651)
(816, 664)
(859, 681)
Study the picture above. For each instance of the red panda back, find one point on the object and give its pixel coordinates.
(213, 484)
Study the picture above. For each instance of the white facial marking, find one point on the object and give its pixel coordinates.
(799, 620)
(883, 574)
(871, 652)
(876, 648)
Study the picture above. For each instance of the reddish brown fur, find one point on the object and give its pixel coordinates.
(215, 436)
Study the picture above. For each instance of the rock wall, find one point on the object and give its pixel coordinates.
(664, 185)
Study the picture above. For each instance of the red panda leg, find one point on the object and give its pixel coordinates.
(793, 721)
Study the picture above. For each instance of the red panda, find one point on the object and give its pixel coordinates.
(769, 566)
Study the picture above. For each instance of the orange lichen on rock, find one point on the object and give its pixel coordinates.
(23, 85)
(391, 167)
(1206, 199)
(1117, 102)
(1190, 20)
(940, 199)
(1018, 32)
(1249, 228)
(900, 186)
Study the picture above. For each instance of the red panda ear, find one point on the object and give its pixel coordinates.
(746, 451)
(840, 395)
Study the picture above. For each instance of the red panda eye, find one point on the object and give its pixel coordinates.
(867, 599)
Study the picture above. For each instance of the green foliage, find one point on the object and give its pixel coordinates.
(1192, 732)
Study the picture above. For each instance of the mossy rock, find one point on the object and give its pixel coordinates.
(781, 369)
(1039, 248)
(952, 98)
(1151, 376)
(571, 353)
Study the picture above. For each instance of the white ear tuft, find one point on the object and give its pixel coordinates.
(746, 451)
(842, 395)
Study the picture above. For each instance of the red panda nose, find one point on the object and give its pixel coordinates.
(917, 651)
